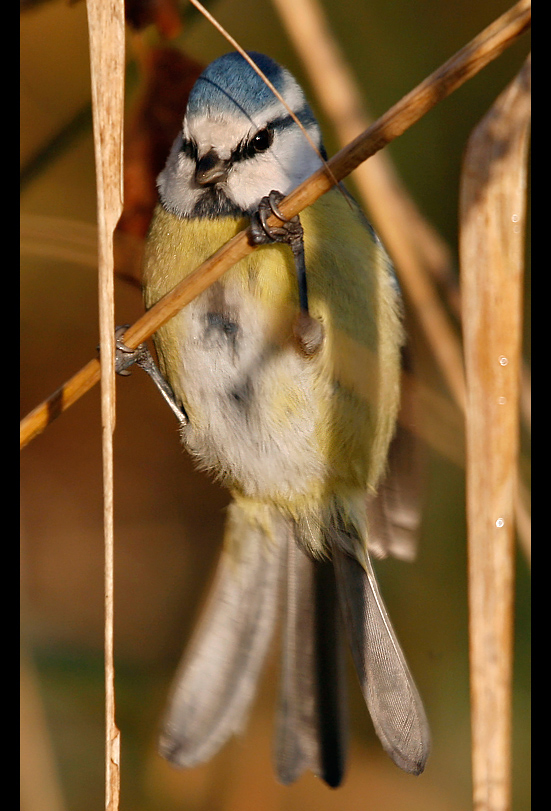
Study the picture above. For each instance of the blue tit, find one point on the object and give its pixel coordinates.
(300, 440)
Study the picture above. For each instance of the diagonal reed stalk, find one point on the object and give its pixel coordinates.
(468, 61)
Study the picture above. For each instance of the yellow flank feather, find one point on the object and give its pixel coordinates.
(308, 435)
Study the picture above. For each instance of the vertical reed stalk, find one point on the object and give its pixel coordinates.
(106, 31)
(492, 213)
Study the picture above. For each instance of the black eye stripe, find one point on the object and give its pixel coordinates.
(189, 148)
(258, 143)
(246, 148)
(304, 115)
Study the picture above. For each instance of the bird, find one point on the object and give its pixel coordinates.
(299, 434)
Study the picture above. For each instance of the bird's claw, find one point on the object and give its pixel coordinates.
(289, 231)
(124, 355)
(142, 357)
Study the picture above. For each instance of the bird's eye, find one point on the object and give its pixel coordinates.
(262, 140)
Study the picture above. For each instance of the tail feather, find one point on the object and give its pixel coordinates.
(312, 724)
(217, 678)
(389, 690)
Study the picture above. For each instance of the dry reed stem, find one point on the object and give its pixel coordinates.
(492, 209)
(451, 75)
(417, 251)
(106, 32)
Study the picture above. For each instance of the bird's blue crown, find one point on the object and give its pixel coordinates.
(230, 82)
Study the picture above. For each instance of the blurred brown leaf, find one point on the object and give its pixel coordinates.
(167, 78)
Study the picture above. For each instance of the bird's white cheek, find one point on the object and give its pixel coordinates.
(177, 189)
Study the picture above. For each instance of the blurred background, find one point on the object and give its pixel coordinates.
(169, 517)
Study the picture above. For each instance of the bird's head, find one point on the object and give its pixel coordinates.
(238, 141)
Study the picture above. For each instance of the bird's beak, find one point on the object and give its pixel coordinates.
(211, 169)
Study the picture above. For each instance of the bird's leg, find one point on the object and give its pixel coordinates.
(126, 357)
(289, 232)
(308, 331)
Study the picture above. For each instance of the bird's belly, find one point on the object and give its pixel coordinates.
(255, 403)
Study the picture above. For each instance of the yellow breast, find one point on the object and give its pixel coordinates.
(263, 417)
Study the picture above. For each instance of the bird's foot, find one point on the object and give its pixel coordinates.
(142, 357)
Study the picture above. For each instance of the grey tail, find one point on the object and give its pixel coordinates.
(311, 732)
(216, 681)
(390, 693)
